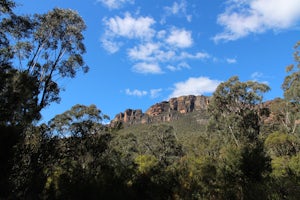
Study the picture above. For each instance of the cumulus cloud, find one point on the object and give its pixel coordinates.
(153, 53)
(149, 48)
(195, 86)
(147, 68)
(115, 4)
(150, 52)
(242, 18)
(180, 38)
(135, 92)
(130, 27)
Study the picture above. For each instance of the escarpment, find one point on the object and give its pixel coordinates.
(164, 111)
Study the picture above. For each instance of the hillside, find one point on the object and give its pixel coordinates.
(166, 111)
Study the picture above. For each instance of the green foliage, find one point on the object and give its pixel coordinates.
(80, 120)
(291, 84)
(235, 109)
(21, 89)
(282, 144)
(59, 30)
(145, 163)
(291, 89)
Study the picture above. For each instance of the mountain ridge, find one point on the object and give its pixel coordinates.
(164, 111)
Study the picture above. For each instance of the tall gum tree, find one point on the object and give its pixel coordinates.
(56, 51)
(291, 91)
(45, 47)
(236, 108)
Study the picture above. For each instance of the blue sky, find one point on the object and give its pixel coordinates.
(144, 52)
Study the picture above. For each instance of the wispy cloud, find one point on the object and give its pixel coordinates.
(231, 60)
(259, 77)
(159, 52)
(242, 18)
(135, 92)
(110, 45)
(115, 4)
(180, 66)
(153, 93)
(180, 38)
(147, 68)
(178, 8)
(195, 86)
(197, 56)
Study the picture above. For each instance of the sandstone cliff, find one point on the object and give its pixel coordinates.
(163, 111)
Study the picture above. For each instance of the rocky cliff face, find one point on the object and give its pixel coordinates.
(163, 111)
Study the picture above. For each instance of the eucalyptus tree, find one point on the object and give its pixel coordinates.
(291, 89)
(236, 109)
(283, 144)
(45, 48)
(291, 84)
(56, 51)
(79, 121)
(236, 113)
(36, 52)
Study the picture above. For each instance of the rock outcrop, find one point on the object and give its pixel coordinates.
(183, 104)
(163, 111)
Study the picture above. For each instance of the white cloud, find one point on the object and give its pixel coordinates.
(258, 77)
(178, 8)
(149, 48)
(154, 93)
(161, 34)
(180, 66)
(195, 86)
(130, 27)
(110, 46)
(147, 68)
(136, 92)
(198, 55)
(242, 18)
(151, 52)
(143, 51)
(172, 68)
(231, 60)
(180, 38)
(114, 4)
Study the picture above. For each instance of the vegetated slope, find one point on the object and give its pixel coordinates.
(186, 115)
